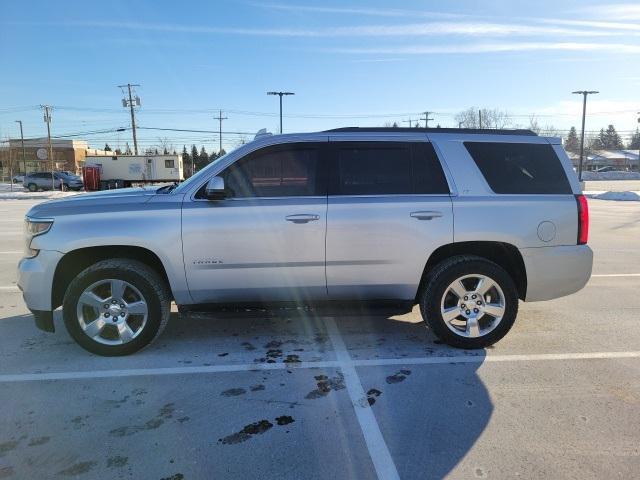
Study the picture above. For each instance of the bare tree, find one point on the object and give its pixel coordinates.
(165, 145)
(483, 118)
(545, 131)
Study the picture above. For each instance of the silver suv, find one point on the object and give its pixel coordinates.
(48, 180)
(464, 223)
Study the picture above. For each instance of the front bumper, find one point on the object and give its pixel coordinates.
(554, 272)
(35, 279)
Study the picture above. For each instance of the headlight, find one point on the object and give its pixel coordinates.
(33, 228)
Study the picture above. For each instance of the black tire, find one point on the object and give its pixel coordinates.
(447, 272)
(152, 287)
(32, 187)
(64, 187)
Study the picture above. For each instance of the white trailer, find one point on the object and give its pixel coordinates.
(132, 169)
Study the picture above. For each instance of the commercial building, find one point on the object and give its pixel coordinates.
(67, 155)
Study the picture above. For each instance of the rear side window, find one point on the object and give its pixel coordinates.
(387, 168)
(513, 168)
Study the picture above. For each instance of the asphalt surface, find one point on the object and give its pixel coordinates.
(308, 394)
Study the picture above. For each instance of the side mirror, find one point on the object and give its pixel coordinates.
(214, 189)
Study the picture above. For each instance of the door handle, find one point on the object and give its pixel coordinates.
(426, 214)
(302, 218)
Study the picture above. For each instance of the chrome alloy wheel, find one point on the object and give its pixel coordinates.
(112, 312)
(472, 306)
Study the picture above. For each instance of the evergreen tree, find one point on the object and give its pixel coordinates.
(395, 125)
(107, 148)
(118, 151)
(186, 162)
(203, 158)
(634, 143)
(572, 144)
(610, 138)
(194, 153)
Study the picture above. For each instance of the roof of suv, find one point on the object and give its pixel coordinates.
(486, 131)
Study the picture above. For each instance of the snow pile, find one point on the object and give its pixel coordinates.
(617, 175)
(19, 193)
(619, 196)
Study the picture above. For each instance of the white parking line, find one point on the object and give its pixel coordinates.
(11, 252)
(250, 367)
(378, 450)
(9, 288)
(617, 275)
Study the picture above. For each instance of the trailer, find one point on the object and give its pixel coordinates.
(126, 170)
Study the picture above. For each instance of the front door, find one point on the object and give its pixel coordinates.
(266, 241)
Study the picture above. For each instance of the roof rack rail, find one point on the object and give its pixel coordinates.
(485, 131)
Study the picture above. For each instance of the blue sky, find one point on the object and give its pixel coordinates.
(383, 61)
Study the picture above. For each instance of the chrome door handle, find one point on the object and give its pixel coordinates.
(426, 214)
(302, 218)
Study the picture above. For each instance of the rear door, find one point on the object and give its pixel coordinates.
(389, 207)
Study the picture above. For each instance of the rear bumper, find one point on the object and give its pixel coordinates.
(554, 272)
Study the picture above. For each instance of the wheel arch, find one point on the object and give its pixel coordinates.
(75, 261)
(503, 254)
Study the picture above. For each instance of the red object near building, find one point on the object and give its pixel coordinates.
(91, 178)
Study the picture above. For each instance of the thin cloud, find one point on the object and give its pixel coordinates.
(483, 29)
(492, 48)
(616, 11)
(375, 12)
(593, 24)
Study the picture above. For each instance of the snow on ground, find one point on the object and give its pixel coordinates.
(618, 196)
(20, 193)
(610, 175)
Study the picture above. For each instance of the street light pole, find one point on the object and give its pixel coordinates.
(24, 157)
(584, 94)
(280, 94)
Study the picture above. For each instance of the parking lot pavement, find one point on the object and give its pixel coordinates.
(301, 393)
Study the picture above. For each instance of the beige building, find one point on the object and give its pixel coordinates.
(67, 155)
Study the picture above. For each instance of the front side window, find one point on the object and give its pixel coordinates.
(388, 168)
(280, 171)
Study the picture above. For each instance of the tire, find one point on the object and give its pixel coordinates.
(64, 187)
(437, 297)
(100, 279)
(32, 187)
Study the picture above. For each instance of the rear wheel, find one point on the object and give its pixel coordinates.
(116, 307)
(469, 302)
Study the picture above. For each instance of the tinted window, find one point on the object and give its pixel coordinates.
(519, 167)
(383, 168)
(275, 172)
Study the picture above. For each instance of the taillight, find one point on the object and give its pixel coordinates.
(583, 219)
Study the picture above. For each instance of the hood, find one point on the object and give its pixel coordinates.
(120, 199)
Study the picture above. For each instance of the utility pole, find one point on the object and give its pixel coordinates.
(24, 157)
(480, 118)
(47, 120)
(280, 94)
(408, 121)
(584, 94)
(130, 103)
(638, 147)
(426, 119)
(220, 118)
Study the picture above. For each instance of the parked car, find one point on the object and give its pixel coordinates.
(18, 178)
(464, 223)
(43, 181)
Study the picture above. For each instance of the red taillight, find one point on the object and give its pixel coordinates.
(583, 219)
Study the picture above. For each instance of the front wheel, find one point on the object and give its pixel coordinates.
(32, 187)
(469, 302)
(116, 307)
